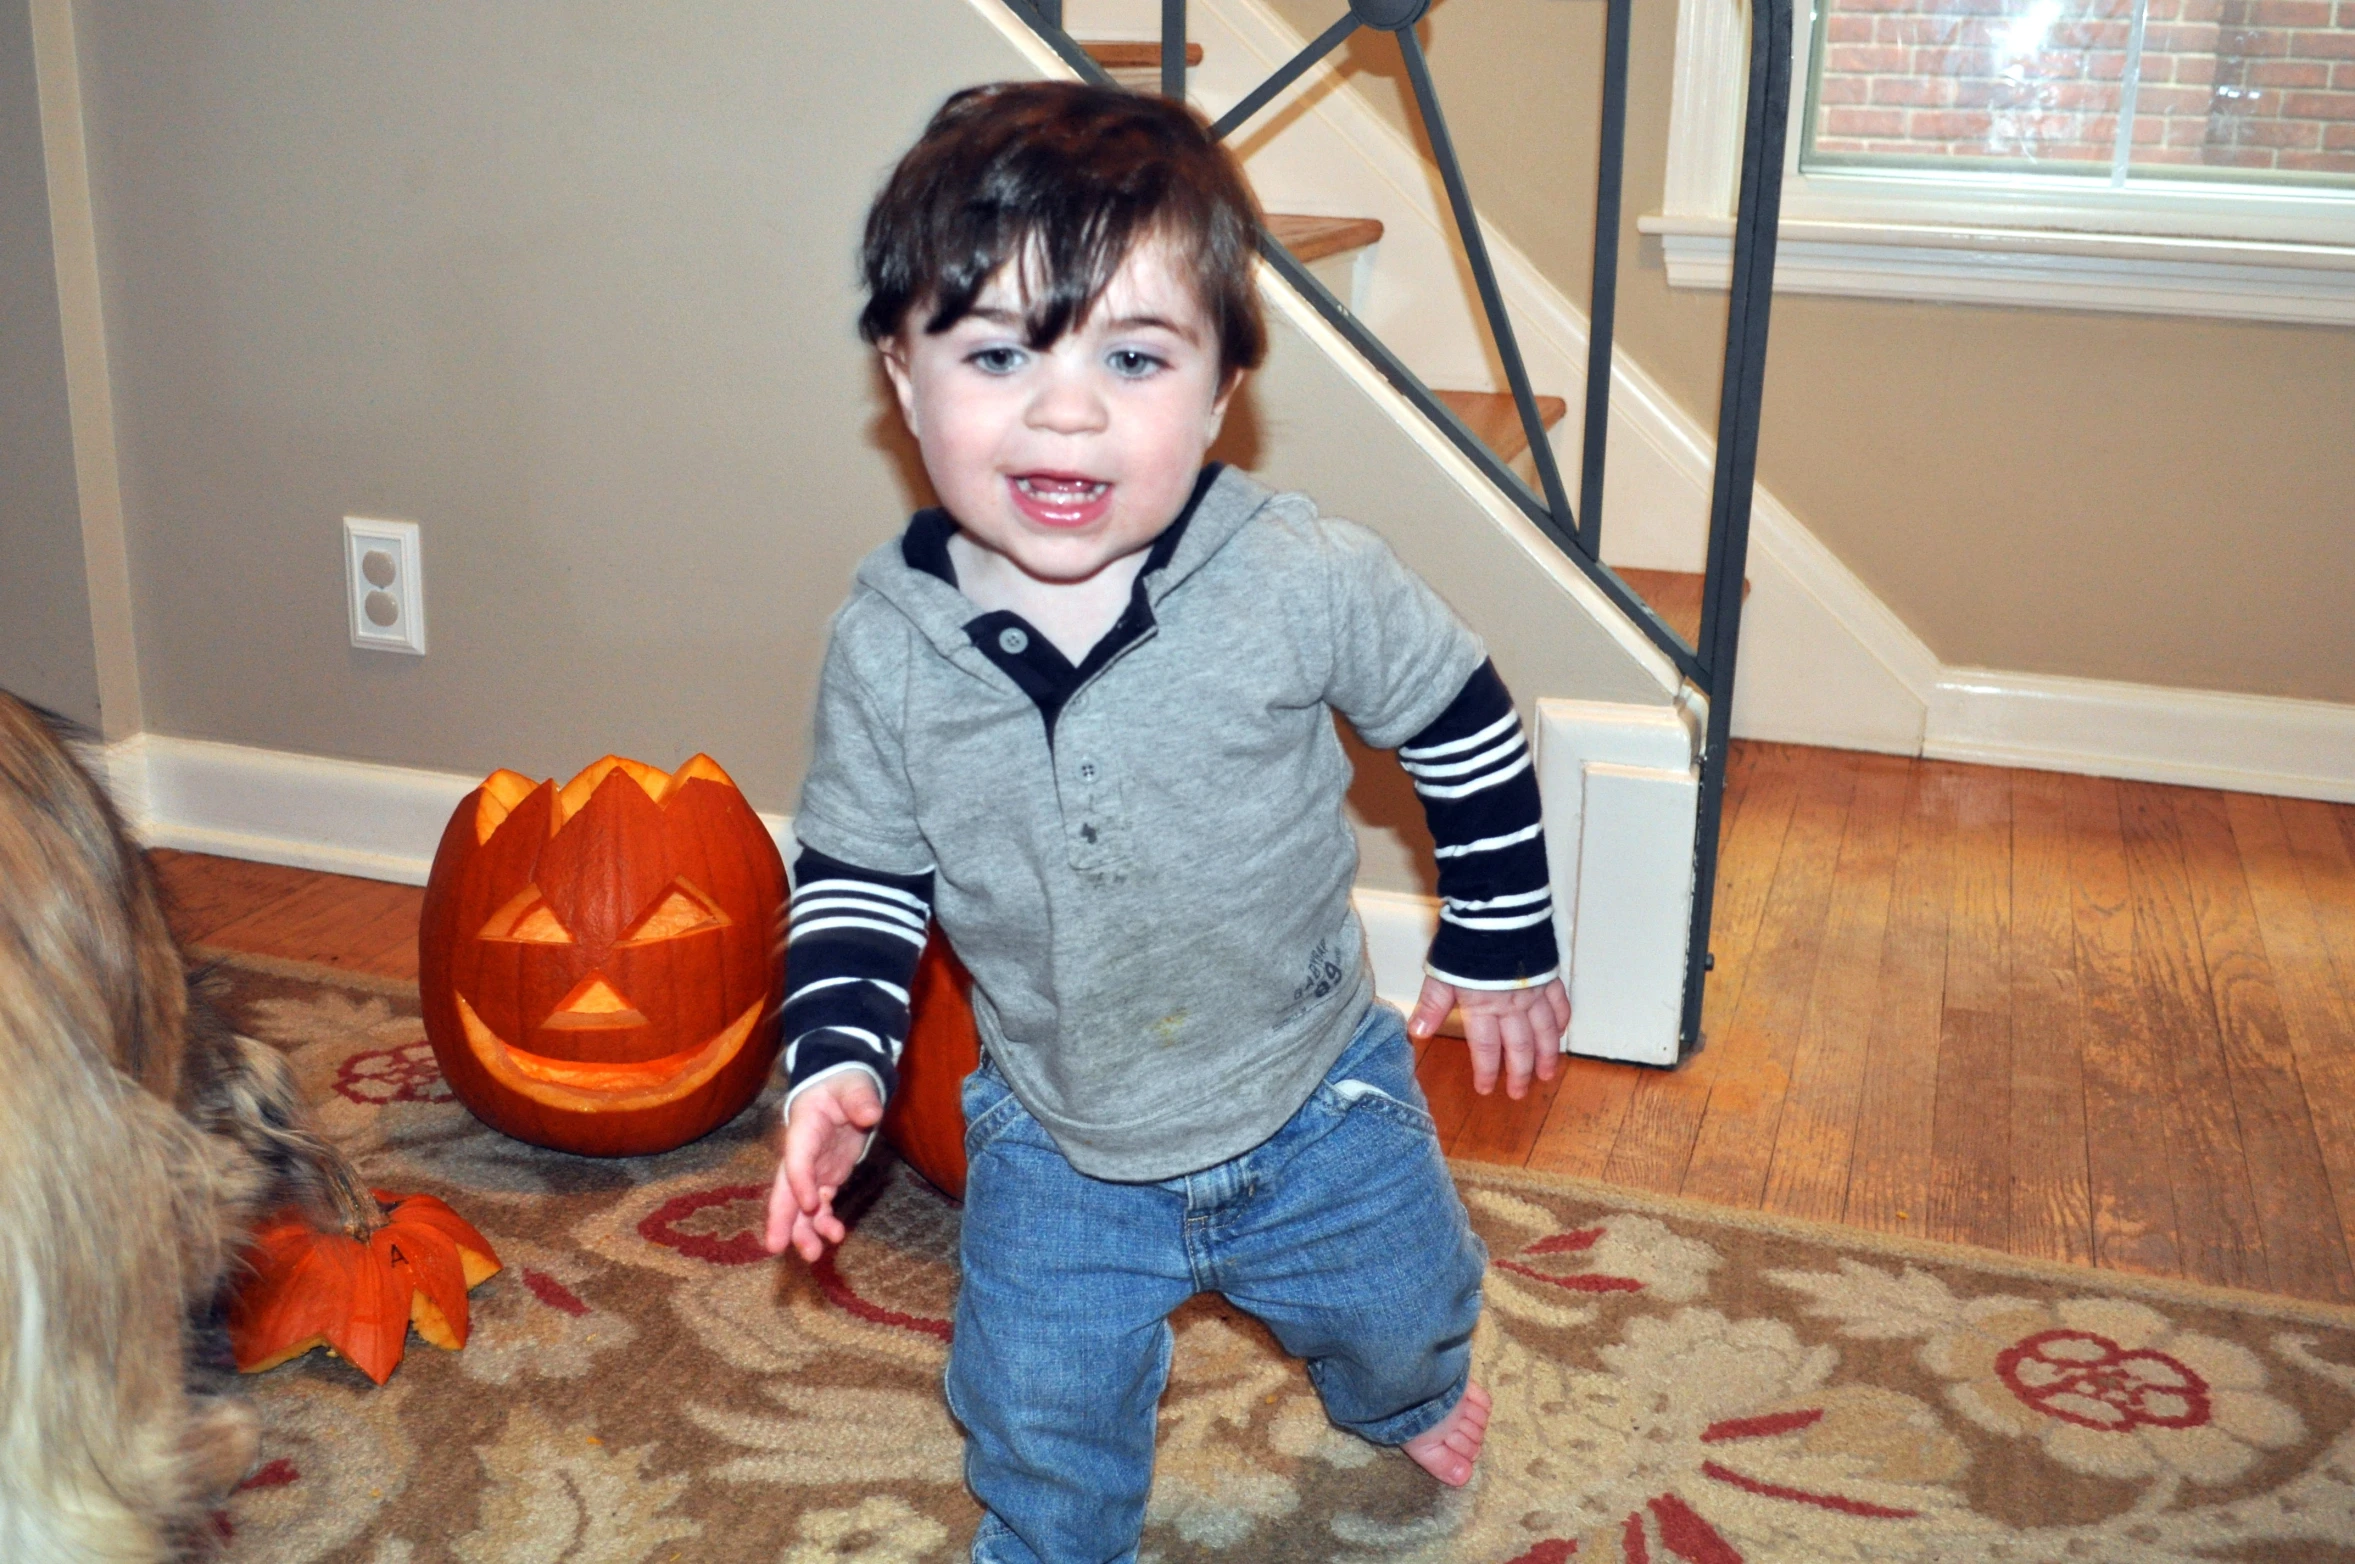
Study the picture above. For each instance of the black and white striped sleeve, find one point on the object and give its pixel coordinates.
(1471, 767)
(851, 943)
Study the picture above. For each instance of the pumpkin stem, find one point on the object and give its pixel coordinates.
(356, 1211)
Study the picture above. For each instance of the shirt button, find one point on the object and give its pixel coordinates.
(1087, 771)
(1013, 642)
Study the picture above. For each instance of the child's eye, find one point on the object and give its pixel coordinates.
(1133, 363)
(996, 361)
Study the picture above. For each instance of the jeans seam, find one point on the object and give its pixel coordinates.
(993, 1122)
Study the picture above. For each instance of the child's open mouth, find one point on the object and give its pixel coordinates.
(1056, 499)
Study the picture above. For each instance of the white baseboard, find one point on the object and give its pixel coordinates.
(383, 822)
(379, 822)
(2196, 738)
(1399, 927)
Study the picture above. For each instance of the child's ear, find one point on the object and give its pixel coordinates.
(1218, 405)
(894, 351)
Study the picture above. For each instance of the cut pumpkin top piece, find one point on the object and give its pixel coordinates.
(503, 790)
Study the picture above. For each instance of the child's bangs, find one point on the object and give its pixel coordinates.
(1058, 271)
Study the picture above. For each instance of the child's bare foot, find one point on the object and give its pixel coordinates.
(1448, 1448)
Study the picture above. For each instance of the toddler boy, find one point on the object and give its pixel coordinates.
(1082, 714)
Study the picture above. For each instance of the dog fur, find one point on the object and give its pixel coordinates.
(139, 1140)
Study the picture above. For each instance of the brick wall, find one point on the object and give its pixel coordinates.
(2225, 84)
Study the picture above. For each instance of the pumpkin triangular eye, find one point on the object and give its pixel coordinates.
(526, 920)
(681, 909)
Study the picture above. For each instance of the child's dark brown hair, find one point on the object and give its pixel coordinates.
(1064, 179)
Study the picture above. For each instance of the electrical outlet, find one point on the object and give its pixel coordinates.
(384, 585)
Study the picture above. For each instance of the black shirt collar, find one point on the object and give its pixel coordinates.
(1008, 640)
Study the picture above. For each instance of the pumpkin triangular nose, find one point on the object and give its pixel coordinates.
(595, 1002)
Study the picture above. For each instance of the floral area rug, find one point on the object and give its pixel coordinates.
(1672, 1383)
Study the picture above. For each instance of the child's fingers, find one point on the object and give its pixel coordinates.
(1480, 1037)
(806, 1241)
(1557, 1001)
(1431, 1008)
(777, 1232)
(801, 1172)
(1520, 1050)
(863, 1108)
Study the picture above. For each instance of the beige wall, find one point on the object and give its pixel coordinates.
(571, 286)
(2130, 497)
(46, 652)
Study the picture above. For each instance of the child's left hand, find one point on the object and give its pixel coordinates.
(1521, 1026)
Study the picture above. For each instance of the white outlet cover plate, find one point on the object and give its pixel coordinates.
(361, 537)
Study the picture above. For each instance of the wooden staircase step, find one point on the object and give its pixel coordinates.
(1314, 238)
(1492, 416)
(1134, 54)
(1675, 595)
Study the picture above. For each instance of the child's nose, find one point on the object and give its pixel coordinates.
(1067, 403)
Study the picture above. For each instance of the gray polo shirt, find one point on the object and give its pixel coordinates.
(1153, 898)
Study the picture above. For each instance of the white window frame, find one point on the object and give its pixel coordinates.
(1983, 238)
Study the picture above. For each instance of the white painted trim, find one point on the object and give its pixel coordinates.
(1620, 786)
(89, 387)
(2196, 738)
(1705, 118)
(2300, 284)
(1635, 898)
(1399, 929)
(2218, 251)
(383, 822)
(355, 817)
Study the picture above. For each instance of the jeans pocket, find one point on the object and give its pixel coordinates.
(990, 1107)
(1364, 1096)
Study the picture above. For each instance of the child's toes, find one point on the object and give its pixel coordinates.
(1449, 1447)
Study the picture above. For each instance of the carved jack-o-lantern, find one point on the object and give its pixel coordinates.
(598, 963)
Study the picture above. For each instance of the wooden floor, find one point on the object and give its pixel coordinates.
(2094, 1021)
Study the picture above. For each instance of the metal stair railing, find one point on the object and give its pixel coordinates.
(1578, 532)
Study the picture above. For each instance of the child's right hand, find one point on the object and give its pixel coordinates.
(823, 1139)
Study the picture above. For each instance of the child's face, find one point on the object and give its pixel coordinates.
(1066, 458)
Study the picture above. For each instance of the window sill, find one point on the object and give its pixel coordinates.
(2313, 284)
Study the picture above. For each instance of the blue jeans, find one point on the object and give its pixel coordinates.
(1342, 1232)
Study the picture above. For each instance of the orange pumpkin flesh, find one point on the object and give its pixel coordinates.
(926, 1119)
(598, 961)
(358, 1296)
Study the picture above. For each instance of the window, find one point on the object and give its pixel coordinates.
(2176, 156)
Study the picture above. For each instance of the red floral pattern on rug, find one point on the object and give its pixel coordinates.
(387, 1075)
(2093, 1382)
(716, 1226)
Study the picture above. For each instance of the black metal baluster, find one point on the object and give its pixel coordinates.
(1492, 299)
(1508, 482)
(1603, 289)
(1739, 399)
(1291, 71)
(1173, 49)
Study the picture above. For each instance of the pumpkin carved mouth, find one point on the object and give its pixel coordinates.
(584, 1086)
